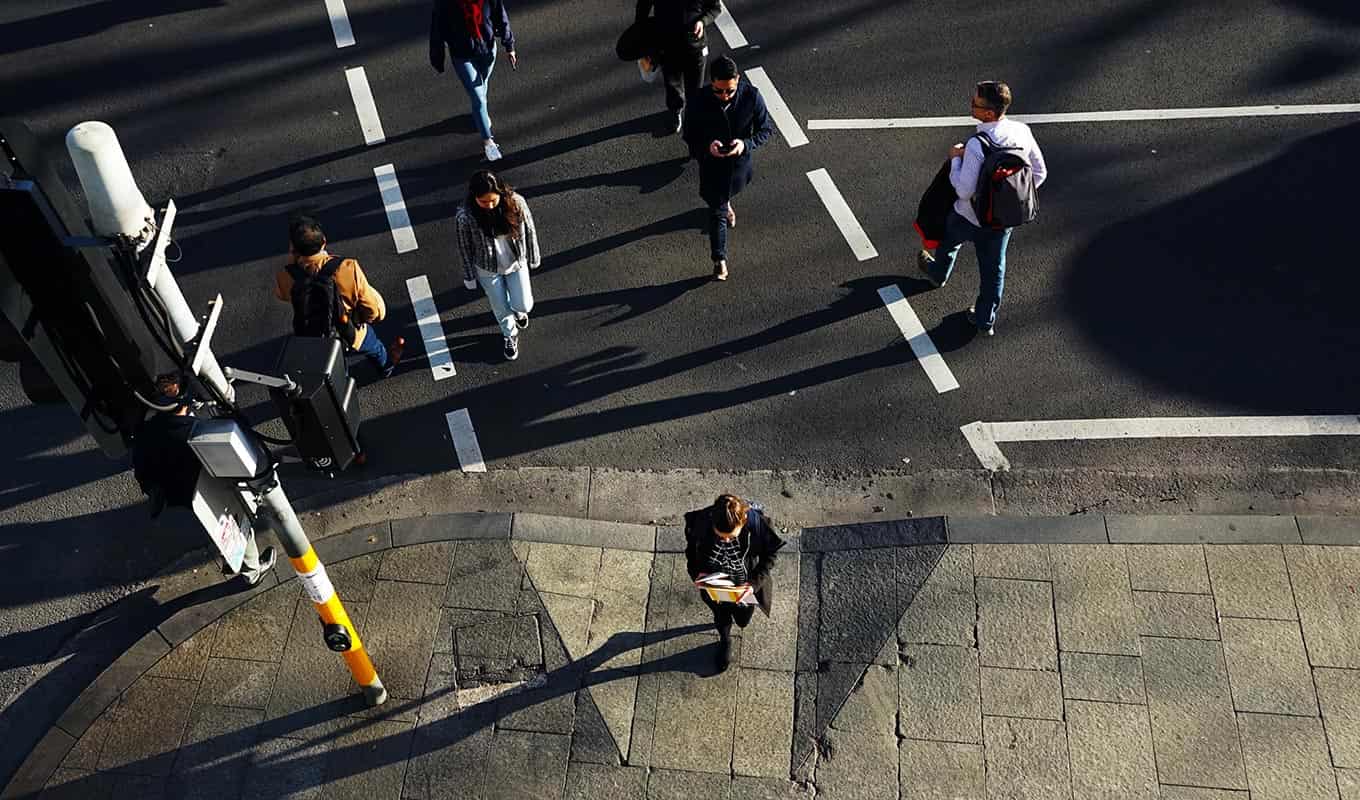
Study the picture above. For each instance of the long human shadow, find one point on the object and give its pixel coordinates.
(216, 755)
(427, 190)
(1248, 304)
(70, 24)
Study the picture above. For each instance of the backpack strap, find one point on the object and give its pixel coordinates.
(989, 144)
(331, 267)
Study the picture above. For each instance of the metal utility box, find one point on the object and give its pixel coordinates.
(226, 450)
(322, 413)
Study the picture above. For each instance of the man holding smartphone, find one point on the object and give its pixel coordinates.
(723, 128)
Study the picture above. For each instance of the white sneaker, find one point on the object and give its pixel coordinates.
(493, 153)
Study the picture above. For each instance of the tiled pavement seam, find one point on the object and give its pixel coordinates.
(1324, 638)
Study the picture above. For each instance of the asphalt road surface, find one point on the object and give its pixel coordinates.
(1180, 268)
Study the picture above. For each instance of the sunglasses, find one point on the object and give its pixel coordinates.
(724, 92)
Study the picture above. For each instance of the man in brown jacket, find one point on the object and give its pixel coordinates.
(308, 275)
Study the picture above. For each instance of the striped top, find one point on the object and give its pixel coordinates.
(728, 557)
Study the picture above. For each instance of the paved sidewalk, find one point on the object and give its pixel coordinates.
(1204, 658)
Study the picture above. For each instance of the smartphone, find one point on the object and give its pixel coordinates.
(725, 147)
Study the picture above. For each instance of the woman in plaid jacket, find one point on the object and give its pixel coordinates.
(499, 246)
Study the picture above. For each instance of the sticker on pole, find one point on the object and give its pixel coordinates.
(317, 584)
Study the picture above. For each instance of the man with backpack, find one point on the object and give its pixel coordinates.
(331, 296)
(994, 176)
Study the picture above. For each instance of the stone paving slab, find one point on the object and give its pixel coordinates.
(941, 771)
(1077, 529)
(1323, 579)
(1193, 724)
(981, 669)
(1111, 751)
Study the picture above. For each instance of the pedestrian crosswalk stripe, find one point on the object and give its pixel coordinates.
(920, 342)
(344, 35)
(364, 106)
(842, 215)
(779, 110)
(431, 329)
(728, 27)
(465, 441)
(403, 235)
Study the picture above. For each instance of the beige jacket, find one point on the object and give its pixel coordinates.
(362, 302)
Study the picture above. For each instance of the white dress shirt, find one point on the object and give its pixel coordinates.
(963, 172)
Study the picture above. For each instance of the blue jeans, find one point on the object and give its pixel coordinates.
(373, 349)
(475, 75)
(717, 230)
(990, 247)
(509, 295)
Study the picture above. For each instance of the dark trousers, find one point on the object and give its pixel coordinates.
(724, 614)
(717, 230)
(682, 68)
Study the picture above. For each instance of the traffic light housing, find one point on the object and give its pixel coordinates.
(67, 303)
(321, 411)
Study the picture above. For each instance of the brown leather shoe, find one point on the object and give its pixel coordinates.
(395, 351)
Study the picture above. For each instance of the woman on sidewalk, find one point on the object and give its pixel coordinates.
(730, 548)
(499, 246)
(469, 29)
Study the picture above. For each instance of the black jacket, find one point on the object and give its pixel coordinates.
(449, 27)
(745, 118)
(759, 544)
(675, 18)
(162, 461)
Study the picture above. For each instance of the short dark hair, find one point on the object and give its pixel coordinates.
(168, 387)
(306, 235)
(722, 68)
(996, 95)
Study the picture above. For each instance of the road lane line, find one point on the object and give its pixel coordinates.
(344, 35)
(403, 235)
(984, 437)
(1134, 115)
(364, 105)
(465, 441)
(921, 344)
(842, 215)
(779, 110)
(431, 329)
(728, 27)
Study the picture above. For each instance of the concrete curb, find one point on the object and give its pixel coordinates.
(56, 742)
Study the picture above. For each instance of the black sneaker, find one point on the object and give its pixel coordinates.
(723, 658)
(972, 320)
(522, 321)
(511, 348)
(924, 260)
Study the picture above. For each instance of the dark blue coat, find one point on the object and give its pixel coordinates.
(449, 26)
(745, 118)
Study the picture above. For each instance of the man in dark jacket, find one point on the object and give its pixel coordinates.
(681, 26)
(734, 538)
(723, 128)
(469, 29)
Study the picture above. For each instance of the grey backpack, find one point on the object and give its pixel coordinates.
(1005, 195)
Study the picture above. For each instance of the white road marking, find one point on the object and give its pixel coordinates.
(465, 441)
(364, 105)
(910, 325)
(728, 27)
(783, 117)
(403, 235)
(1135, 115)
(842, 215)
(985, 436)
(344, 36)
(431, 329)
(915, 334)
